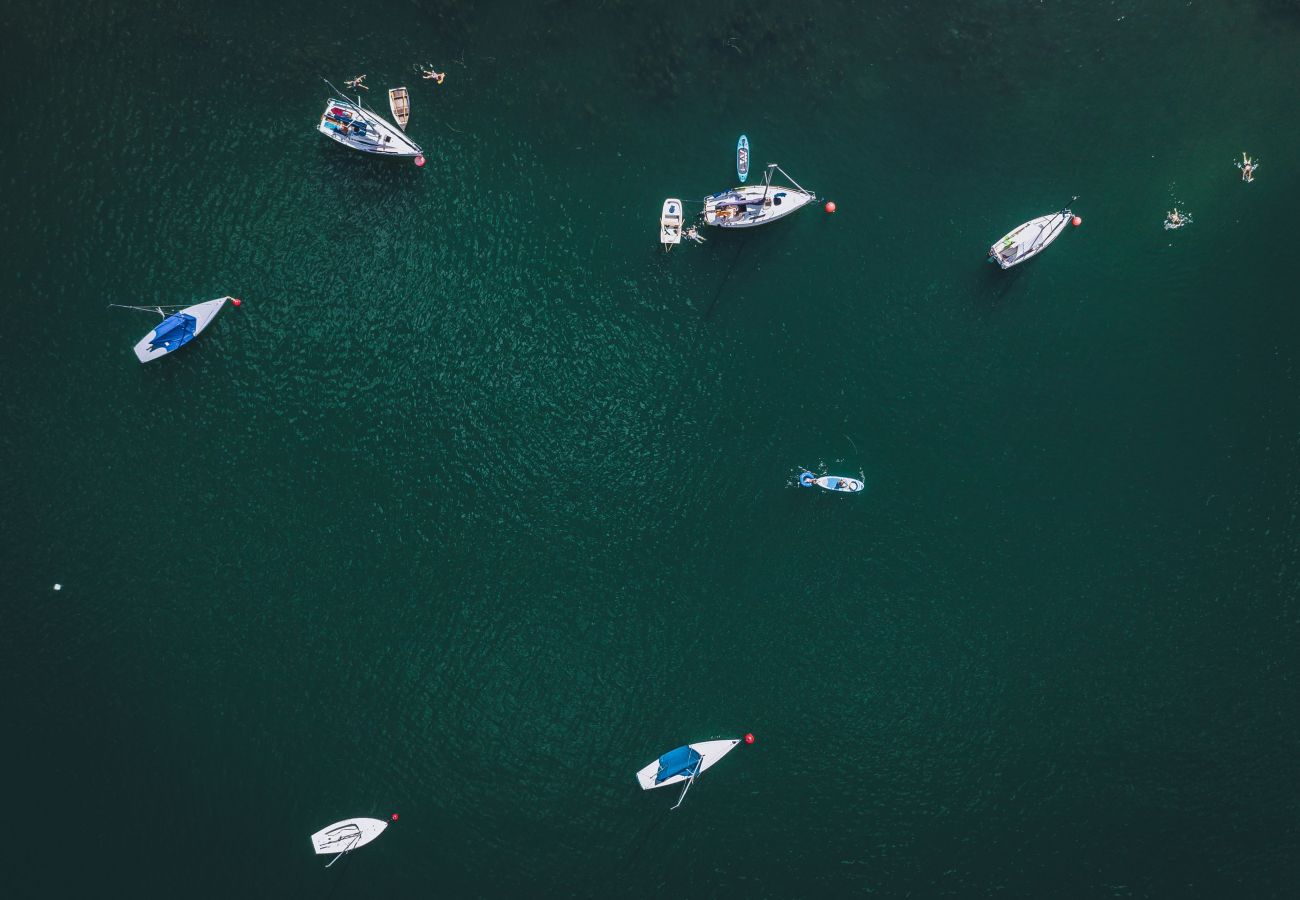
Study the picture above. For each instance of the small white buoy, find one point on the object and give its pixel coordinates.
(58, 587)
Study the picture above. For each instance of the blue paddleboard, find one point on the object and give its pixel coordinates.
(742, 158)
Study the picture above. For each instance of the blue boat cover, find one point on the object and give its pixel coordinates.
(682, 761)
(173, 332)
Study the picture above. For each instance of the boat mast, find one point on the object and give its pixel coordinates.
(767, 185)
(795, 183)
(690, 781)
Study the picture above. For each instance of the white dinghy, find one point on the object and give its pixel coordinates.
(343, 837)
(352, 125)
(748, 206)
(178, 329)
(684, 764)
(1030, 239)
(831, 483)
(670, 223)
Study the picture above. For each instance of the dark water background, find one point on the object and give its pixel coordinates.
(480, 502)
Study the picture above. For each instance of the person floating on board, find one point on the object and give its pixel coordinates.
(431, 74)
(693, 234)
(357, 83)
(1248, 167)
(1175, 219)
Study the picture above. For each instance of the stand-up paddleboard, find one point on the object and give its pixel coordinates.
(831, 483)
(742, 158)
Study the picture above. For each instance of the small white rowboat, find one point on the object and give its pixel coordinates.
(683, 764)
(346, 836)
(1029, 239)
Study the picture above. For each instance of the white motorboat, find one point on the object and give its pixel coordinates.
(178, 329)
(353, 125)
(684, 764)
(346, 836)
(1030, 239)
(670, 223)
(748, 206)
(831, 482)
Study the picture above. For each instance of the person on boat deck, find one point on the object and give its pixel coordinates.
(430, 74)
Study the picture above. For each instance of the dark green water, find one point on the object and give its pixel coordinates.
(480, 503)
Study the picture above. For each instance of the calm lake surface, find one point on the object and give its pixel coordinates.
(481, 502)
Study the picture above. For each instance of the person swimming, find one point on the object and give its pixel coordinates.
(1175, 219)
(357, 83)
(693, 234)
(1248, 167)
(431, 74)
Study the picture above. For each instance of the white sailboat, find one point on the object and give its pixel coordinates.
(177, 329)
(1030, 239)
(343, 837)
(748, 206)
(353, 125)
(684, 764)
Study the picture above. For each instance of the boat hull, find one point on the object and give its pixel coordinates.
(710, 752)
(670, 223)
(379, 137)
(753, 205)
(347, 835)
(1028, 240)
(203, 314)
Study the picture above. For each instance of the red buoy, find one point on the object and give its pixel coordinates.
(419, 162)
(830, 206)
(749, 738)
(236, 301)
(394, 817)
(1076, 221)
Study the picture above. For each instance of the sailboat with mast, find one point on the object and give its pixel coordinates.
(748, 206)
(685, 764)
(353, 125)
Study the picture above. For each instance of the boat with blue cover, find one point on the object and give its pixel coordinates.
(684, 764)
(178, 329)
(831, 483)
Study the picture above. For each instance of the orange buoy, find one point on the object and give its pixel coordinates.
(830, 206)
(419, 162)
(235, 301)
(1076, 221)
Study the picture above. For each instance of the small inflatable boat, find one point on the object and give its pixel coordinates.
(831, 483)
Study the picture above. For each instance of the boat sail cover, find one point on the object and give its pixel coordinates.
(682, 761)
(173, 332)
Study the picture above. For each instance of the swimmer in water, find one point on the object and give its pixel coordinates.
(357, 83)
(1248, 167)
(693, 234)
(1175, 219)
(430, 74)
